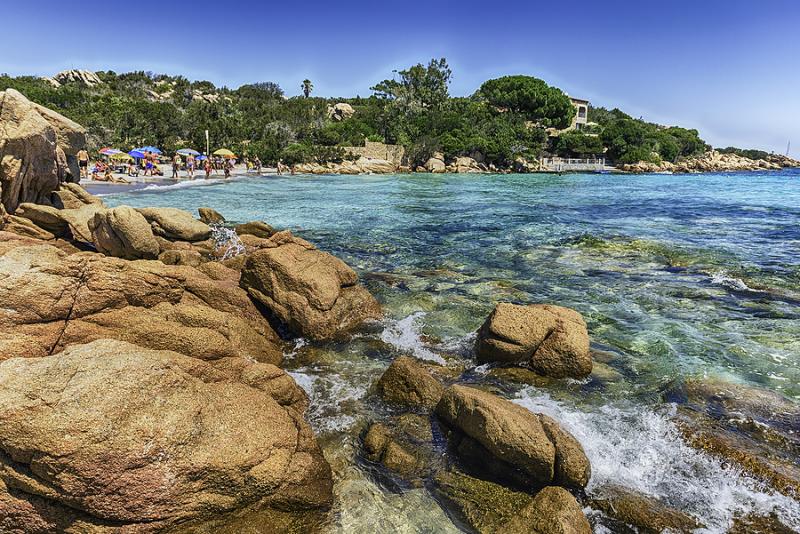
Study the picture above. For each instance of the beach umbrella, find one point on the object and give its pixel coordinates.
(224, 152)
(148, 148)
(201, 158)
(136, 153)
(107, 151)
(121, 156)
(188, 152)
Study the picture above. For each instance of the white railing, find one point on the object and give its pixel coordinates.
(572, 164)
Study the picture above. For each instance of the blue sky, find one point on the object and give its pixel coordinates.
(729, 68)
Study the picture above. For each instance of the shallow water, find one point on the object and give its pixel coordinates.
(677, 276)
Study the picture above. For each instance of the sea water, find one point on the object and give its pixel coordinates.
(678, 276)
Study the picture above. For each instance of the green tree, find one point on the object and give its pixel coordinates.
(307, 87)
(419, 86)
(531, 97)
(577, 144)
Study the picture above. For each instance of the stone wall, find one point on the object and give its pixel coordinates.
(373, 150)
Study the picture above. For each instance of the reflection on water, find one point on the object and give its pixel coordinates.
(677, 276)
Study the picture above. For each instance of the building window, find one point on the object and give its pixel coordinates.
(582, 112)
(579, 126)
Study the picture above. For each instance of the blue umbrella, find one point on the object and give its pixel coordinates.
(201, 158)
(152, 149)
(188, 152)
(136, 153)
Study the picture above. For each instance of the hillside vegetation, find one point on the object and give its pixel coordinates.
(505, 119)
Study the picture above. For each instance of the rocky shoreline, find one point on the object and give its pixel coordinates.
(710, 162)
(141, 387)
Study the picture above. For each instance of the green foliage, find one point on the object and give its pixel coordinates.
(747, 153)
(531, 97)
(504, 120)
(575, 144)
(418, 87)
(628, 139)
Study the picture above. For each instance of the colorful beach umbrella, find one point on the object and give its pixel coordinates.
(224, 152)
(201, 158)
(188, 152)
(121, 156)
(136, 153)
(148, 148)
(107, 151)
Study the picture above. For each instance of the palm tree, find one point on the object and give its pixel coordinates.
(307, 87)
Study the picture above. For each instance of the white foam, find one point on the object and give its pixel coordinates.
(226, 239)
(641, 449)
(404, 335)
(736, 284)
(324, 415)
(181, 185)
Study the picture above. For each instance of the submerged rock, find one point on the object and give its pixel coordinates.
(551, 339)
(645, 513)
(176, 224)
(314, 294)
(484, 506)
(752, 428)
(123, 232)
(490, 508)
(52, 299)
(503, 440)
(408, 382)
(110, 434)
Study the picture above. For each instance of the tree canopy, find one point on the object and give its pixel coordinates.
(531, 97)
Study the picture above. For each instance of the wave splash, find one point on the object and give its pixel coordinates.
(405, 336)
(641, 449)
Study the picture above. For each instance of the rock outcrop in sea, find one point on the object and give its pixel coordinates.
(714, 161)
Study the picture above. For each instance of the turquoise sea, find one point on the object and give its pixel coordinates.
(678, 277)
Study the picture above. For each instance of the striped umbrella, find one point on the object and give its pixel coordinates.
(107, 151)
(188, 152)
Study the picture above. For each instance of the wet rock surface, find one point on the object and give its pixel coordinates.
(552, 340)
(645, 513)
(508, 442)
(407, 382)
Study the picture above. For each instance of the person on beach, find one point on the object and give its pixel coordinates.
(228, 167)
(83, 163)
(190, 166)
(257, 165)
(133, 170)
(176, 166)
(148, 164)
(207, 167)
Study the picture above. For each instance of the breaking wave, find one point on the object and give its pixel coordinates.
(405, 336)
(641, 449)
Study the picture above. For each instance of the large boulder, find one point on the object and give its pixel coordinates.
(78, 76)
(312, 293)
(504, 440)
(123, 232)
(436, 164)
(37, 150)
(374, 165)
(69, 223)
(109, 433)
(553, 511)
(553, 340)
(407, 382)
(340, 111)
(210, 216)
(176, 224)
(256, 228)
(52, 299)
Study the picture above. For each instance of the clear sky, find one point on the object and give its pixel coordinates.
(729, 68)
